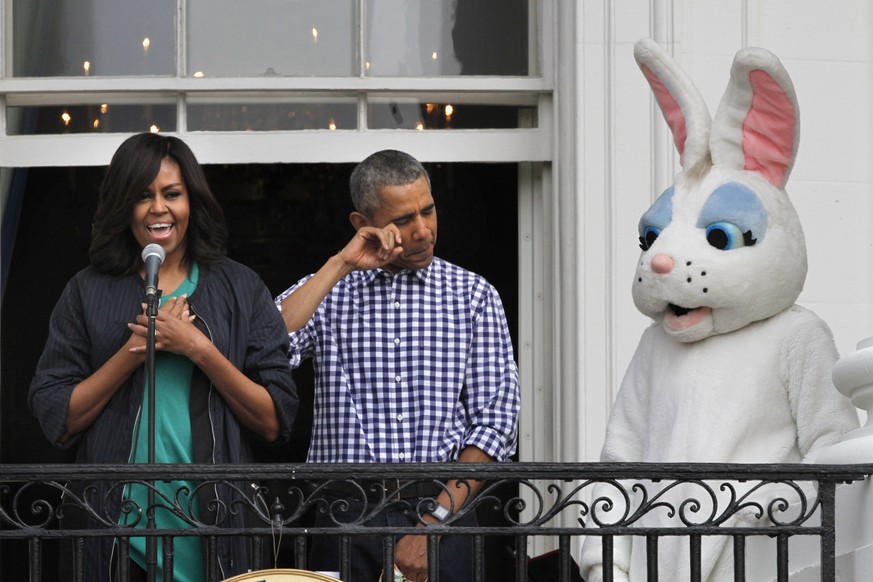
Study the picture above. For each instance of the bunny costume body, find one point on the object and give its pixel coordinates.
(731, 371)
(751, 396)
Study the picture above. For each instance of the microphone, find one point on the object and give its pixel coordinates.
(152, 255)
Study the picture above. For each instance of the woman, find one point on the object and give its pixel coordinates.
(221, 365)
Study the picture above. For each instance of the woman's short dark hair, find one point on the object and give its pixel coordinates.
(381, 169)
(133, 167)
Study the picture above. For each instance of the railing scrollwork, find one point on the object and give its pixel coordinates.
(525, 499)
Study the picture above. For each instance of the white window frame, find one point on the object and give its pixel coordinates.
(533, 148)
(308, 146)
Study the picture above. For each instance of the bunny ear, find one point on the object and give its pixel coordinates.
(757, 125)
(680, 101)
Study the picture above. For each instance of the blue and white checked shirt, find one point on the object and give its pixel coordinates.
(410, 367)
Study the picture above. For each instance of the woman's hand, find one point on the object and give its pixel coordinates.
(174, 329)
(175, 332)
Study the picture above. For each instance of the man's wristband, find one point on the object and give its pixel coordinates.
(441, 512)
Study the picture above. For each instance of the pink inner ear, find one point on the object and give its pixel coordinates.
(768, 130)
(670, 108)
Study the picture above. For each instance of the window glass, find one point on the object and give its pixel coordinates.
(271, 37)
(466, 37)
(284, 115)
(93, 38)
(92, 118)
(419, 114)
(229, 38)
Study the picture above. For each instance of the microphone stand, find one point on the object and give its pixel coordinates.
(153, 302)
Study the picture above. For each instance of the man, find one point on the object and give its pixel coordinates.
(413, 358)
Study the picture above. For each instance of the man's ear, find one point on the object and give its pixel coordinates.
(358, 220)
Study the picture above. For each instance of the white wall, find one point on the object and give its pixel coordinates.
(626, 158)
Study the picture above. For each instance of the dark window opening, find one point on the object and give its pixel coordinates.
(284, 221)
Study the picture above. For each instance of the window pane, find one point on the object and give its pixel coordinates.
(280, 116)
(467, 37)
(417, 114)
(229, 38)
(96, 118)
(93, 37)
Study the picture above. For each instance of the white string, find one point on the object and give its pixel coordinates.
(276, 542)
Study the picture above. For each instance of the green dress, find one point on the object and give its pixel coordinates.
(173, 444)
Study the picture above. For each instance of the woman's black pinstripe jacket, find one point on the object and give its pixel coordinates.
(89, 324)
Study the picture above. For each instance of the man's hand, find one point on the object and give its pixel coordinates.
(372, 248)
(410, 555)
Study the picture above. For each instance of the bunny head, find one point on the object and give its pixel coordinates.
(723, 246)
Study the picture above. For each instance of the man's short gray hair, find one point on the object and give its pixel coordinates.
(384, 168)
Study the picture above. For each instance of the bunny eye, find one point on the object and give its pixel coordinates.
(649, 235)
(726, 236)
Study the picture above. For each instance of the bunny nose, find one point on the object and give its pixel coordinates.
(662, 264)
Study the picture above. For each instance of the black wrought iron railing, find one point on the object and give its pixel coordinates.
(517, 502)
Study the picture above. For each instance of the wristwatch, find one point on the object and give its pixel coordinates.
(441, 512)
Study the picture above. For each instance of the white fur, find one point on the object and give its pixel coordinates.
(743, 285)
(745, 376)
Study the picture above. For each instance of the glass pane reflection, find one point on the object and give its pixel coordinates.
(411, 114)
(93, 38)
(94, 118)
(429, 39)
(228, 38)
(285, 116)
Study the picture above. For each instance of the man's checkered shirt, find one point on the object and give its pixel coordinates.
(410, 367)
